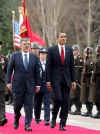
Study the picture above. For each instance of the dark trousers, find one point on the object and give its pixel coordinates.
(2, 105)
(62, 103)
(38, 99)
(23, 99)
(63, 112)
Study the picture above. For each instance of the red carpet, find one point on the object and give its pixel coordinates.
(41, 129)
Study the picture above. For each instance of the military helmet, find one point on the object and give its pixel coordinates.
(34, 45)
(76, 47)
(43, 50)
(88, 50)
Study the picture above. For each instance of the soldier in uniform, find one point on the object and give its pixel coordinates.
(86, 89)
(75, 94)
(8, 94)
(96, 80)
(3, 119)
(35, 48)
(44, 94)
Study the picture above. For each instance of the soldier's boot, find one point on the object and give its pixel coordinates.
(94, 113)
(98, 108)
(73, 109)
(84, 110)
(98, 115)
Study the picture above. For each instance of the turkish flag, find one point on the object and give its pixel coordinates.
(25, 28)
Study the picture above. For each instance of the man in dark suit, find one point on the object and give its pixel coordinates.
(60, 75)
(26, 79)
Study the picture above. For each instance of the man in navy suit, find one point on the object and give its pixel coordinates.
(61, 76)
(26, 79)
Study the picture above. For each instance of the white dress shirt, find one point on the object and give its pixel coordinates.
(43, 63)
(23, 56)
(60, 46)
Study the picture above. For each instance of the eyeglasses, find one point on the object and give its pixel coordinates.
(34, 48)
(25, 43)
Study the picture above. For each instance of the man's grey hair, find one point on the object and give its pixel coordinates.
(24, 39)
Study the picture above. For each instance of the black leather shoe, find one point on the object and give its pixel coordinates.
(46, 122)
(62, 127)
(86, 114)
(2, 123)
(16, 122)
(28, 129)
(37, 121)
(97, 116)
(53, 124)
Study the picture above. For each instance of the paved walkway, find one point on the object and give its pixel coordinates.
(75, 120)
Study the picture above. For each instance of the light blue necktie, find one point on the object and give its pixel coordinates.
(26, 61)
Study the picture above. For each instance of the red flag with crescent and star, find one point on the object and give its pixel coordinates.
(25, 27)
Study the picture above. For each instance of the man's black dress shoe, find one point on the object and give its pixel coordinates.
(53, 124)
(62, 127)
(16, 122)
(37, 121)
(3, 122)
(46, 122)
(28, 129)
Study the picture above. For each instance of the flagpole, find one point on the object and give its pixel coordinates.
(89, 24)
(13, 18)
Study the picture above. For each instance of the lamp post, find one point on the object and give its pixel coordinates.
(13, 18)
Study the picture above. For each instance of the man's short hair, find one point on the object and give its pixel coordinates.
(59, 34)
(24, 39)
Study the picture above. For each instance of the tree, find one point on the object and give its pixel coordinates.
(48, 17)
(6, 37)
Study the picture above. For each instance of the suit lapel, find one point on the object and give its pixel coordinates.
(21, 59)
(30, 59)
(57, 53)
(66, 53)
